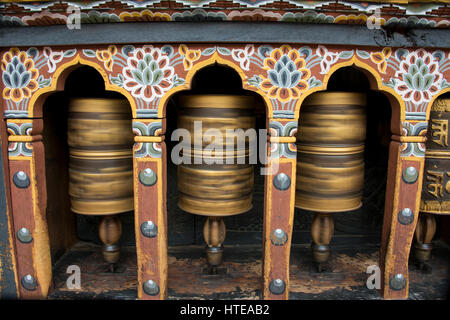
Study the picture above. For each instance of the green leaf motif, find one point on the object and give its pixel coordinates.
(409, 80)
(254, 81)
(346, 54)
(118, 81)
(42, 82)
(89, 53)
(208, 51)
(362, 54)
(224, 51)
(176, 81)
(428, 81)
(418, 82)
(157, 76)
(313, 82)
(70, 53)
(390, 83)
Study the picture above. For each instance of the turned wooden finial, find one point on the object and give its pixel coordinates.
(110, 231)
(214, 233)
(322, 230)
(425, 230)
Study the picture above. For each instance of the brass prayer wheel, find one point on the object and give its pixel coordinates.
(206, 187)
(330, 160)
(436, 179)
(100, 163)
(330, 152)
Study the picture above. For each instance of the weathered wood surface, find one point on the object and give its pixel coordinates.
(345, 279)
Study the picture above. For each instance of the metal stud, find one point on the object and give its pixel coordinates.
(148, 177)
(278, 237)
(410, 175)
(149, 229)
(150, 287)
(24, 235)
(29, 282)
(21, 180)
(277, 286)
(406, 216)
(397, 282)
(282, 181)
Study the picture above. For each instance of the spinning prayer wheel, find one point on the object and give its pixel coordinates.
(100, 164)
(436, 179)
(218, 181)
(330, 161)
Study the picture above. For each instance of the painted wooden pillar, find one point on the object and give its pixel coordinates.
(403, 192)
(28, 204)
(8, 270)
(279, 208)
(149, 167)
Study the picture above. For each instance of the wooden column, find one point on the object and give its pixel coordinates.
(403, 191)
(149, 167)
(28, 203)
(8, 271)
(278, 213)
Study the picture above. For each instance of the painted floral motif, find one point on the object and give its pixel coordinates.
(190, 56)
(148, 74)
(381, 58)
(53, 58)
(243, 56)
(253, 15)
(418, 78)
(328, 59)
(106, 56)
(287, 76)
(145, 15)
(309, 16)
(353, 19)
(19, 75)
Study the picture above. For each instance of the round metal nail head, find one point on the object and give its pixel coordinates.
(148, 177)
(397, 282)
(282, 181)
(24, 235)
(29, 282)
(277, 286)
(410, 175)
(151, 288)
(149, 229)
(21, 180)
(278, 237)
(406, 216)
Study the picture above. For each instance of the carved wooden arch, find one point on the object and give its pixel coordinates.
(214, 59)
(396, 102)
(58, 81)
